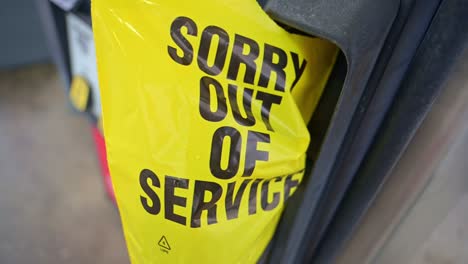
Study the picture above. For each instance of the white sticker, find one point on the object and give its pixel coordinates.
(83, 57)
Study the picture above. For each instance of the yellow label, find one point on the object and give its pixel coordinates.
(205, 105)
(79, 93)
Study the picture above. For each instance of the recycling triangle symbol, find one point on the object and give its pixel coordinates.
(163, 243)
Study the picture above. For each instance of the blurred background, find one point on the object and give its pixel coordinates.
(54, 207)
(56, 199)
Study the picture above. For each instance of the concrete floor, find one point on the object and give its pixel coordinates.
(53, 208)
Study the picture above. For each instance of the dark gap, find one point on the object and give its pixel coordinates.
(323, 114)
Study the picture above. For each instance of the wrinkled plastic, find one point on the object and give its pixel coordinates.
(205, 105)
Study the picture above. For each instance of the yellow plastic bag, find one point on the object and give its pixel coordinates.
(205, 105)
